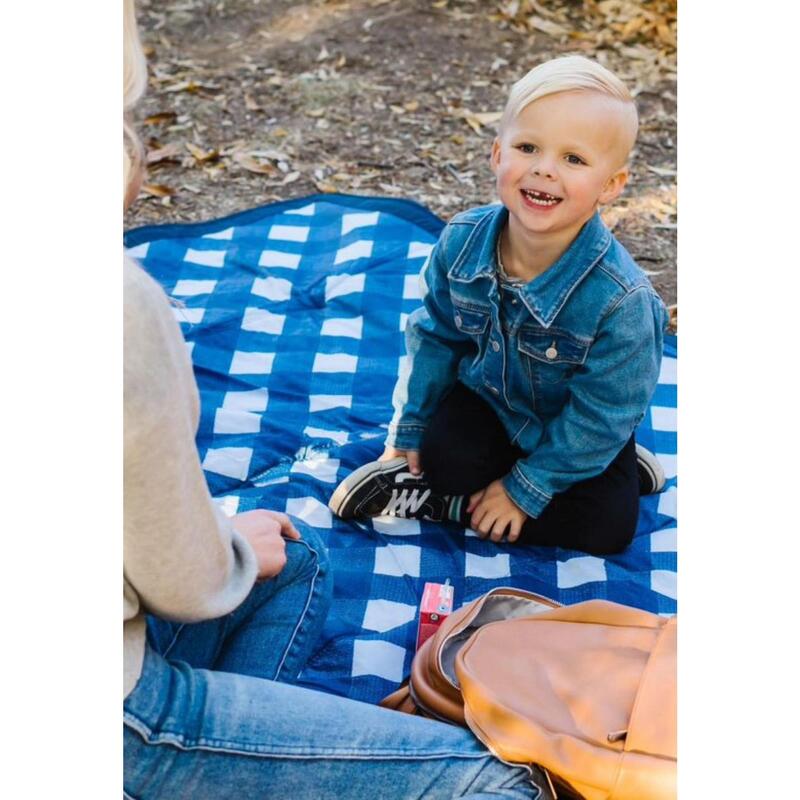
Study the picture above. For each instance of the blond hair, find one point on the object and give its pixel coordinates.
(567, 74)
(134, 82)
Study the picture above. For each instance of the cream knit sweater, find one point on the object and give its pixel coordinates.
(182, 558)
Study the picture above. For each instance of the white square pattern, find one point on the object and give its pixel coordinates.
(188, 288)
(323, 469)
(205, 258)
(498, 566)
(334, 362)
(384, 615)
(288, 233)
(233, 462)
(352, 221)
(228, 505)
(411, 288)
(669, 370)
(140, 251)
(665, 541)
(310, 510)
(340, 285)
(360, 249)
(396, 526)
(275, 258)
(272, 288)
(580, 570)
(228, 420)
(259, 320)
(383, 659)
(664, 582)
(305, 211)
(246, 363)
(350, 327)
(192, 316)
(251, 400)
(664, 419)
(340, 437)
(419, 250)
(323, 402)
(668, 503)
(398, 559)
(226, 234)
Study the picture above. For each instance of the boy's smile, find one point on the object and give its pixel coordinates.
(556, 161)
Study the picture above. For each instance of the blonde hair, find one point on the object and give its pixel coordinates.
(134, 82)
(567, 74)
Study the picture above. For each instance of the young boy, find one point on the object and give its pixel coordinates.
(539, 342)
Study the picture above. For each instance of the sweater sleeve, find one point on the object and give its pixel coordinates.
(182, 557)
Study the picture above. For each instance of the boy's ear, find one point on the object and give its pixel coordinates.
(494, 159)
(614, 186)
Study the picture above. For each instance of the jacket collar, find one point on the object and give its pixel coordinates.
(546, 294)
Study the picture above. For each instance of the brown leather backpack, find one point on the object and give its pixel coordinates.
(586, 691)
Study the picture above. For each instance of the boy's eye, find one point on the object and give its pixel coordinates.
(573, 159)
(527, 148)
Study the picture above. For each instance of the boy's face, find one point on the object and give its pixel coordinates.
(561, 157)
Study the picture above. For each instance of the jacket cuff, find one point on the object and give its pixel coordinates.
(405, 437)
(528, 497)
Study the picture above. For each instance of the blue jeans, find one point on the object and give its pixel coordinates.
(203, 723)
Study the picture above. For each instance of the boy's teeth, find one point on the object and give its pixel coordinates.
(541, 198)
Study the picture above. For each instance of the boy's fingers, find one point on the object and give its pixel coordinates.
(412, 456)
(516, 528)
(474, 500)
(498, 529)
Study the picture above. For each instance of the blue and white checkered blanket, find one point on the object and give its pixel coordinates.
(294, 314)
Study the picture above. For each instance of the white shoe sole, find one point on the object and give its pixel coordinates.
(356, 479)
(651, 463)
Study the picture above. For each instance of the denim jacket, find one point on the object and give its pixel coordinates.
(568, 361)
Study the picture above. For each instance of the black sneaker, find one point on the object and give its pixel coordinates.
(387, 488)
(651, 473)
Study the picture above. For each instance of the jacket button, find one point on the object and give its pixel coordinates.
(458, 319)
(551, 353)
(494, 390)
(495, 346)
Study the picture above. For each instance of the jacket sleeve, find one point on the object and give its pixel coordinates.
(434, 349)
(604, 405)
(181, 555)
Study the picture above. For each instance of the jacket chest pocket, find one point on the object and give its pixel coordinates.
(471, 320)
(553, 355)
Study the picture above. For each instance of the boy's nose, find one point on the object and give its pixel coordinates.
(543, 169)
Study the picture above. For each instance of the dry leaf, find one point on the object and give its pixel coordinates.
(397, 109)
(247, 161)
(315, 112)
(280, 132)
(663, 172)
(202, 156)
(157, 190)
(160, 118)
(548, 27)
(174, 150)
(290, 178)
(324, 186)
(250, 103)
(411, 105)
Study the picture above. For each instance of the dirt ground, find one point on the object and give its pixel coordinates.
(252, 101)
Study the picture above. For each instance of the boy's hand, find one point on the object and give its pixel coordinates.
(264, 530)
(493, 511)
(412, 456)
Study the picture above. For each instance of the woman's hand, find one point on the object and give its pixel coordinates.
(412, 456)
(264, 530)
(493, 511)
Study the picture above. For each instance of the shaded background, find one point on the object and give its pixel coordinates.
(253, 101)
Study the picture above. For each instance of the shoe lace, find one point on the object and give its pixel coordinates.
(405, 501)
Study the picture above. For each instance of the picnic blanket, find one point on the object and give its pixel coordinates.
(293, 314)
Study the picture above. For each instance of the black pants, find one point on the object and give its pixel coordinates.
(465, 448)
